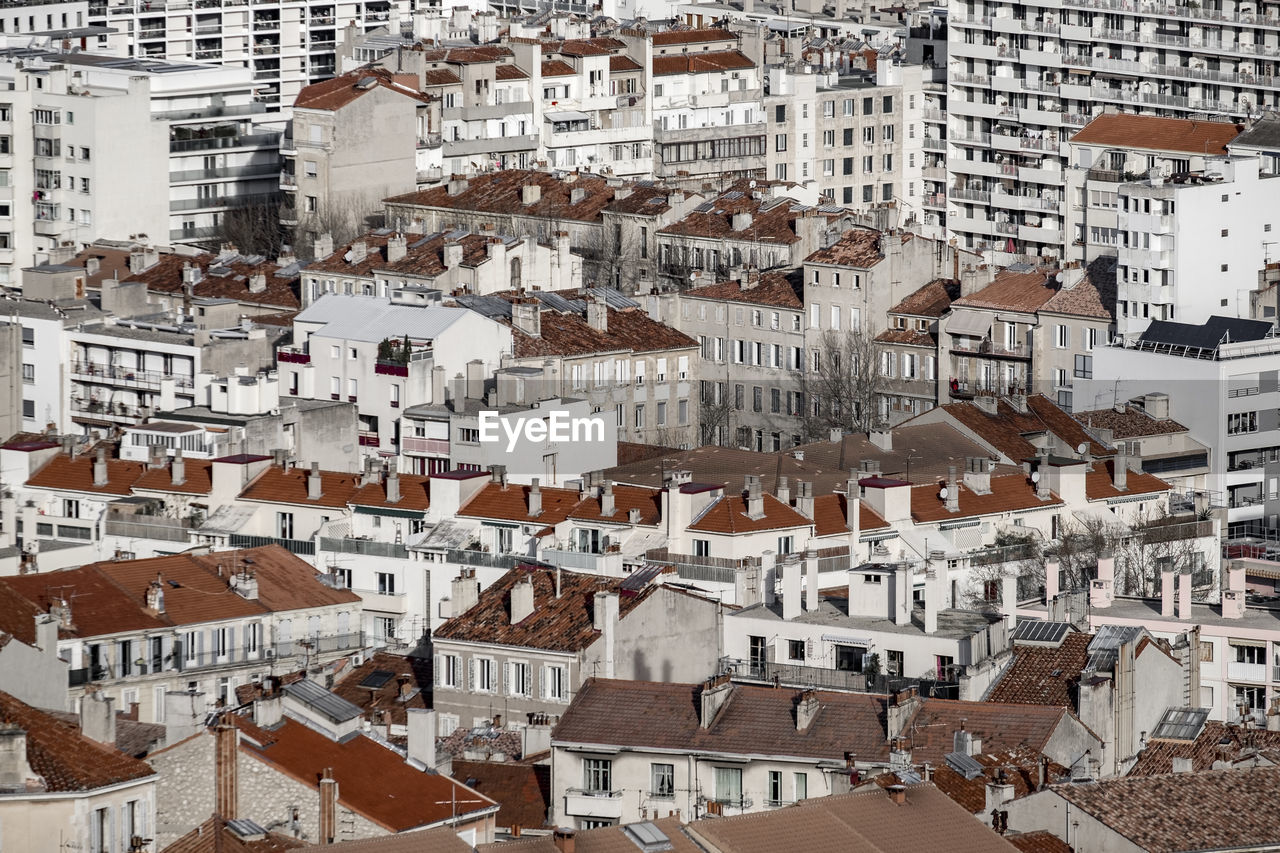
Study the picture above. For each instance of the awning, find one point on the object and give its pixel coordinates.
(567, 115)
(973, 323)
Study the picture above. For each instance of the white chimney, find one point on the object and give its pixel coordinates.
(811, 580)
(522, 600)
(422, 736)
(1168, 581)
(791, 588)
(932, 601)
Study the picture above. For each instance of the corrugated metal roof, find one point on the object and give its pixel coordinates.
(359, 318)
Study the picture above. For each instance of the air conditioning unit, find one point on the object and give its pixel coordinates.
(269, 654)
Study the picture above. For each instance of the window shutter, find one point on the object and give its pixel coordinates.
(95, 833)
(506, 678)
(435, 670)
(471, 674)
(144, 819)
(542, 682)
(112, 829)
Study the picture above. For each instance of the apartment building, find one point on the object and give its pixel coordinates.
(342, 347)
(1217, 376)
(909, 351)
(1022, 82)
(1115, 148)
(285, 44)
(530, 641)
(750, 329)
(1146, 430)
(1029, 331)
(336, 169)
(142, 631)
(1186, 253)
(1260, 139)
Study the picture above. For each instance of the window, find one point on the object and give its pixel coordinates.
(555, 683)
(28, 337)
(71, 508)
(29, 409)
(868, 106)
(780, 142)
(868, 135)
(702, 548)
(729, 786)
(662, 782)
(795, 649)
(284, 525)
(1250, 654)
(639, 416)
(775, 788)
(597, 775)
(1242, 422)
(521, 683)
(802, 786)
(869, 193)
(886, 133)
(449, 670)
(386, 583)
(1084, 367)
(484, 675)
(786, 544)
(780, 113)
(1061, 336)
(29, 374)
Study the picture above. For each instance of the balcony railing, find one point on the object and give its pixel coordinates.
(988, 347)
(369, 438)
(364, 547)
(148, 527)
(797, 675)
(417, 444)
(693, 567)
(127, 376)
(469, 557)
(301, 547)
(293, 355)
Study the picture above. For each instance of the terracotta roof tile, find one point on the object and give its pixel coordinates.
(693, 36)
(752, 719)
(511, 503)
(623, 63)
(465, 55)
(1217, 741)
(557, 68)
(1093, 296)
(625, 498)
(1006, 429)
(276, 485)
(1001, 727)
(1008, 493)
(772, 221)
(337, 92)
(630, 329)
(640, 200)
(1011, 291)
(502, 192)
(932, 300)
(415, 494)
(373, 781)
(779, 290)
(65, 759)
(557, 624)
(522, 790)
(586, 47)
(98, 606)
(729, 515)
(1133, 422)
(423, 257)
(1020, 768)
(509, 72)
(214, 836)
(440, 77)
(1152, 133)
(408, 687)
(223, 276)
(197, 478)
(1038, 842)
(700, 63)
(1031, 680)
(908, 337)
(830, 511)
(1208, 815)
(63, 473)
(858, 247)
(1099, 485)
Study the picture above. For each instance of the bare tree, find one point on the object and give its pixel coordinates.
(254, 228)
(842, 383)
(344, 217)
(715, 413)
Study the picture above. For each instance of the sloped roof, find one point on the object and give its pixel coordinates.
(1217, 741)
(1005, 429)
(1042, 675)
(728, 514)
(625, 498)
(570, 334)
(523, 791)
(276, 485)
(700, 63)
(1154, 133)
(197, 478)
(1001, 727)
(772, 221)
(64, 758)
(373, 781)
(556, 624)
(1099, 485)
(752, 720)
(1008, 493)
(1019, 768)
(691, 36)
(778, 290)
(415, 494)
(857, 247)
(932, 300)
(502, 192)
(1040, 841)
(510, 502)
(335, 93)
(409, 686)
(1208, 815)
(830, 513)
(215, 836)
(423, 257)
(63, 473)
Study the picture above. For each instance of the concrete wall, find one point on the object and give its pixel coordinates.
(1048, 811)
(690, 647)
(35, 675)
(55, 823)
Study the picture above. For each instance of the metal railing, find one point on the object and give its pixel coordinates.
(148, 527)
(798, 675)
(301, 547)
(365, 547)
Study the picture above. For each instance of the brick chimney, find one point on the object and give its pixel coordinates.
(226, 748)
(563, 836)
(328, 807)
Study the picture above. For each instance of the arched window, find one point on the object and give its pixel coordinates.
(515, 274)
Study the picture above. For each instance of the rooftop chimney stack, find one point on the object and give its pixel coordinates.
(100, 468)
(791, 586)
(179, 468)
(811, 580)
(1120, 472)
(932, 601)
(393, 483)
(804, 499)
(608, 507)
(535, 498)
(522, 600)
(314, 483)
(953, 490)
(1168, 581)
(755, 497)
(1184, 595)
(328, 808)
(465, 592)
(1042, 476)
(226, 748)
(783, 491)
(98, 717)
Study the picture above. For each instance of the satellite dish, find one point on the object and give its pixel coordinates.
(1035, 476)
(1083, 448)
(942, 493)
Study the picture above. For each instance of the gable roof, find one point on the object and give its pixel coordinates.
(1008, 493)
(216, 835)
(63, 473)
(1040, 290)
(931, 732)
(1100, 485)
(858, 247)
(408, 686)
(728, 514)
(625, 498)
(567, 334)
(932, 300)
(565, 623)
(1217, 741)
(831, 511)
(276, 485)
(415, 493)
(335, 93)
(1154, 133)
(778, 290)
(1005, 429)
(699, 63)
(64, 758)
(502, 192)
(522, 791)
(373, 781)
(510, 502)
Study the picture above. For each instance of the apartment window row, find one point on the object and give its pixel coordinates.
(506, 678)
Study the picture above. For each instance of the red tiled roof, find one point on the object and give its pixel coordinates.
(214, 836)
(570, 334)
(558, 624)
(1153, 133)
(695, 36)
(1020, 768)
(623, 63)
(409, 687)
(1008, 492)
(1133, 422)
(585, 47)
(1000, 727)
(522, 790)
(1040, 841)
(421, 258)
(373, 781)
(276, 485)
(511, 503)
(858, 247)
(1005, 430)
(465, 55)
(1217, 741)
(502, 192)
(729, 515)
(415, 494)
(625, 498)
(1039, 290)
(557, 68)
(1030, 679)
(778, 290)
(509, 72)
(65, 759)
(63, 473)
(830, 511)
(908, 337)
(197, 478)
(337, 92)
(1099, 485)
(932, 300)
(440, 77)
(771, 221)
(699, 63)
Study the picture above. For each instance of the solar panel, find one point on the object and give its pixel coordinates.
(616, 299)
(377, 679)
(1041, 633)
(641, 578)
(1181, 724)
(1105, 646)
(965, 765)
(245, 828)
(647, 836)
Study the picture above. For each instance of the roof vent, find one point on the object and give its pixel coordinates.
(366, 82)
(647, 836)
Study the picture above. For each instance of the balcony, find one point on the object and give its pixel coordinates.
(425, 446)
(288, 181)
(364, 547)
(1239, 671)
(301, 547)
(798, 675)
(369, 438)
(293, 355)
(390, 368)
(147, 527)
(593, 804)
(219, 141)
(610, 563)
(990, 348)
(383, 602)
